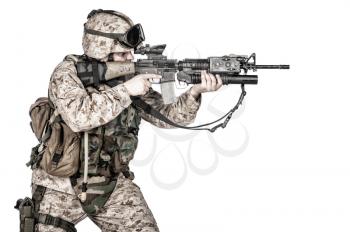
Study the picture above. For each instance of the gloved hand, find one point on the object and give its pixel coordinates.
(140, 84)
(209, 83)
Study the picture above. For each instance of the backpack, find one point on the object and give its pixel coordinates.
(58, 150)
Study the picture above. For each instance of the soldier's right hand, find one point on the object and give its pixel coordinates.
(140, 84)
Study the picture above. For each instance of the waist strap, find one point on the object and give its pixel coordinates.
(47, 219)
(56, 222)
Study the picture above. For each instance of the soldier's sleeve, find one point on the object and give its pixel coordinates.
(80, 109)
(183, 111)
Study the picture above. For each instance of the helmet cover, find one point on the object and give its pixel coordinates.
(99, 47)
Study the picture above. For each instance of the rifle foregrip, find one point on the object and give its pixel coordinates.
(195, 78)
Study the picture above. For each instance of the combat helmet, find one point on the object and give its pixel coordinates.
(108, 31)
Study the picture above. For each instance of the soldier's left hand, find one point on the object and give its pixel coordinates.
(209, 83)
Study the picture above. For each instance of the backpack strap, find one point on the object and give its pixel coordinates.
(38, 196)
(55, 117)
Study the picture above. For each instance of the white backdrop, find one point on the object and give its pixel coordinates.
(282, 163)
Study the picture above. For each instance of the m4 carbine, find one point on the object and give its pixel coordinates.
(233, 69)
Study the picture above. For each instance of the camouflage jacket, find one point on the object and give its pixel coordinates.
(87, 109)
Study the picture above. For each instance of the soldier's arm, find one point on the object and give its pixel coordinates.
(82, 110)
(183, 111)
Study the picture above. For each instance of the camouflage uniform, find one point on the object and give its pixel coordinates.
(90, 109)
(125, 210)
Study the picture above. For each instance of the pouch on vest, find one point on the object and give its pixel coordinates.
(59, 147)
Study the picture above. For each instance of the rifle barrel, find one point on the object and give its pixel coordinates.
(281, 66)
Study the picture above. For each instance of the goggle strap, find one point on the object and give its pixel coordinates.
(119, 37)
(99, 33)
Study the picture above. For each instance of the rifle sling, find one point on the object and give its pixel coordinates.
(137, 101)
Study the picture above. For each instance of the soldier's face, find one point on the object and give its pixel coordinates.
(123, 56)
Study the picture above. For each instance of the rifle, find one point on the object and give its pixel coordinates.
(233, 69)
(228, 67)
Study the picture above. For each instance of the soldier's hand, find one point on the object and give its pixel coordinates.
(209, 83)
(140, 84)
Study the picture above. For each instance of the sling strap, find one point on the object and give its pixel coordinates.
(98, 78)
(137, 101)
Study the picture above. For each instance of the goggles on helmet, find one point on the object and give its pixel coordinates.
(130, 39)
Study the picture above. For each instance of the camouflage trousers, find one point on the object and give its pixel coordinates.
(126, 210)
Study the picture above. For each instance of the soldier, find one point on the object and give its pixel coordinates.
(114, 202)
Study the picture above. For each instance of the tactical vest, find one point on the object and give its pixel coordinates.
(111, 148)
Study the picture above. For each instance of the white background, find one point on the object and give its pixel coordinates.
(294, 173)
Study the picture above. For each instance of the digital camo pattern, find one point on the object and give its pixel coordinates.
(183, 111)
(61, 184)
(109, 110)
(78, 108)
(126, 210)
(62, 205)
(100, 47)
(86, 109)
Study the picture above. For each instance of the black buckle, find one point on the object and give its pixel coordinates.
(48, 219)
(39, 193)
(54, 221)
(56, 158)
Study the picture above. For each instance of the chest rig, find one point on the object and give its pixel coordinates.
(110, 147)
